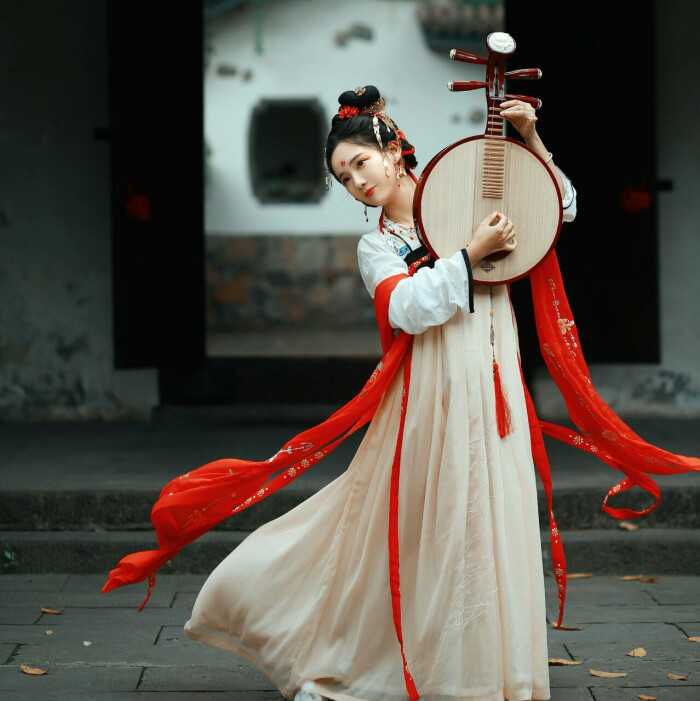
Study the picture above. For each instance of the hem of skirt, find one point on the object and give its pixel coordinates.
(526, 694)
(229, 646)
(506, 695)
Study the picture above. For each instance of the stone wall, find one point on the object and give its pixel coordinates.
(56, 349)
(258, 283)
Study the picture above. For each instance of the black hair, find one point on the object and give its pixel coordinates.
(359, 129)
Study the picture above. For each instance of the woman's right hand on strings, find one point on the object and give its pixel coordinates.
(494, 234)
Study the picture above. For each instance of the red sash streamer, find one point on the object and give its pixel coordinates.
(192, 504)
(601, 431)
(195, 502)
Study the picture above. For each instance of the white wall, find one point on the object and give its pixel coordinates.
(671, 388)
(302, 60)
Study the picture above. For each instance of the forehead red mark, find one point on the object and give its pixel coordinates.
(342, 163)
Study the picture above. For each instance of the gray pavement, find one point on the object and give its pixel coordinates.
(100, 647)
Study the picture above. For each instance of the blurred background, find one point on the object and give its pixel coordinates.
(167, 239)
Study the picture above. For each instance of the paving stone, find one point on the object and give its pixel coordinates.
(675, 590)
(6, 650)
(601, 591)
(639, 673)
(662, 693)
(116, 598)
(161, 696)
(165, 582)
(656, 652)
(557, 650)
(690, 629)
(567, 694)
(20, 614)
(238, 677)
(66, 679)
(125, 652)
(651, 613)
(185, 599)
(633, 634)
(115, 618)
(66, 635)
(28, 582)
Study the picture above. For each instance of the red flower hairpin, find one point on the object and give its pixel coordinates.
(347, 111)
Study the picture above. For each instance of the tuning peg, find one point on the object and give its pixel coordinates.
(525, 74)
(466, 57)
(462, 85)
(535, 102)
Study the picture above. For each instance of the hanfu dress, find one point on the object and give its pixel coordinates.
(307, 596)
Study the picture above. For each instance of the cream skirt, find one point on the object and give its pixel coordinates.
(306, 596)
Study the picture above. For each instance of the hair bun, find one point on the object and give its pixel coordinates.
(359, 97)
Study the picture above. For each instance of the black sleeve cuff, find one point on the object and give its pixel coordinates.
(467, 262)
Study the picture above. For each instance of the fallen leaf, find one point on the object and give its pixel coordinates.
(561, 662)
(631, 577)
(677, 677)
(554, 625)
(607, 675)
(87, 643)
(695, 639)
(32, 670)
(644, 697)
(637, 652)
(51, 611)
(48, 632)
(579, 575)
(648, 580)
(628, 526)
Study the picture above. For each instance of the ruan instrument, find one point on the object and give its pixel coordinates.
(476, 176)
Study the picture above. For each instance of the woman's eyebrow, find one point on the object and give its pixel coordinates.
(350, 162)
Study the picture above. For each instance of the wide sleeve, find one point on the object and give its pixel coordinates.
(569, 199)
(428, 298)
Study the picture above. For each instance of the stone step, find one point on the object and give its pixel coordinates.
(647, 551)
(112, 510)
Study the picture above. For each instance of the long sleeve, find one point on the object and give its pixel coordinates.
(429, 298)
(569, 200)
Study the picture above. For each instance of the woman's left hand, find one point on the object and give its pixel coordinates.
(521, 116)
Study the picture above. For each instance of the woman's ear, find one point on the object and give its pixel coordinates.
(394, 149)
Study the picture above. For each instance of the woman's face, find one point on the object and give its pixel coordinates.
(361, 171)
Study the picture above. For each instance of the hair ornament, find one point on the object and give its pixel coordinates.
(375, 125)
(346, 111)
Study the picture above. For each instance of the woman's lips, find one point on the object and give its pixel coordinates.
(370, 192)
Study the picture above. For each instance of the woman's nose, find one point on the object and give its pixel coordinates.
(359, 180)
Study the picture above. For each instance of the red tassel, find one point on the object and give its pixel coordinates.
(503, 415)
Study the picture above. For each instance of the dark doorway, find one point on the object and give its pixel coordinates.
(598, 118)
(156, 138)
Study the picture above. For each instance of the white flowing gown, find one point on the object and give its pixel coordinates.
(306, 596)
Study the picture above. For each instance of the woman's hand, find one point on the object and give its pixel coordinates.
(521, 116)
(495, 233)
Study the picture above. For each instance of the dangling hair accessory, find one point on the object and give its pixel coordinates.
(366, 216)
(375, 125)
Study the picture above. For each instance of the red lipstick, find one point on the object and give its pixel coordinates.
(368, 193)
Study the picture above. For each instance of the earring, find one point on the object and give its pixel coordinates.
(399, 172)
(366, 217)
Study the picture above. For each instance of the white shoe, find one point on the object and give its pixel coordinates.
(308, 692)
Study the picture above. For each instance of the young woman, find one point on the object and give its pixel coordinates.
(307, 598)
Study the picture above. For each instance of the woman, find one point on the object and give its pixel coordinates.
(307, 597)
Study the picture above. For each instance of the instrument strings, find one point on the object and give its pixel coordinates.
(494, 156)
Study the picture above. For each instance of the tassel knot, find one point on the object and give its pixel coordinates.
(503, 415)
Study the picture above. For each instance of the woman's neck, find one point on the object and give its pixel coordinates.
(400, 208)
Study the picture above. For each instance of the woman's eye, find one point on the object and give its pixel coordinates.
(345, 181)
(360, 162)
